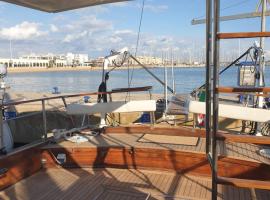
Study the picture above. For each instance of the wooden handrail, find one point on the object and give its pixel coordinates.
(136, 89)
(242, 35)
(244, 183)
(264, 140)
(243, 90)
(188, 132)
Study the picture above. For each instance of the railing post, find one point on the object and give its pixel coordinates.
(65, 104)
(215, 96)
(208, 49)
(2, 148)
(44, 119)
(150, 94)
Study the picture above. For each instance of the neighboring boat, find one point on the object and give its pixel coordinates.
(133, 162)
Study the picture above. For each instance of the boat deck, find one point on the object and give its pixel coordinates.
(121, 184)
(242, 151)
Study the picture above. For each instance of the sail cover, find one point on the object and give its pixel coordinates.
(59, 5)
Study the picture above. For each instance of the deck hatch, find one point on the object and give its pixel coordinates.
(166, 139)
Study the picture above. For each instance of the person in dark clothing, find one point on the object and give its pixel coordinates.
(103, 88)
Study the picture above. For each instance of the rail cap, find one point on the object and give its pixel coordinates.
(135, 89)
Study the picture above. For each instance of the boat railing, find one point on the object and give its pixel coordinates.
(63, 98)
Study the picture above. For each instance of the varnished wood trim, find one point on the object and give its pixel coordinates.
(174, 131)
(161, 159)
(261, 140)
(20, 165)
(244, 183)
(242, 35)
(242, 90)
(185, 131)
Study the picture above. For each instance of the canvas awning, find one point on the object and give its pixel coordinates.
(59, 5)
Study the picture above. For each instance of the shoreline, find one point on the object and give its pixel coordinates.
(86, 68)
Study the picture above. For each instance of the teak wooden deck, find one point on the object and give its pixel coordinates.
(115, 165)
(121, 184)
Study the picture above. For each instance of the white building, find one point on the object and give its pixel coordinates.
(49, 60)
(23, 62)
(148, 60)
(76, 59)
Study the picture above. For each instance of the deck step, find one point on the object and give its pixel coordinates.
(244, 183)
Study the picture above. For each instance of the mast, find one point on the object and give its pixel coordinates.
(262, 61)
(262, 43)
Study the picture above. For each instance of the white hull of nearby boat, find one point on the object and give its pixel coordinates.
(233, 112)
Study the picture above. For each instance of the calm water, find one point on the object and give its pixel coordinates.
(86, 81)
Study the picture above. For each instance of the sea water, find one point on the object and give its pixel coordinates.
(186, 79)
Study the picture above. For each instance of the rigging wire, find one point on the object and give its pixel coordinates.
(130, 76)
(139, 31)
(227, 7)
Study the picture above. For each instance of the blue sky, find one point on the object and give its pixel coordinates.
(96, 30)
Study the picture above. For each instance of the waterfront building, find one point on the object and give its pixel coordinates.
(145, 60)
(47, 60)
(148, 60)
(98, 62)
(76, 59)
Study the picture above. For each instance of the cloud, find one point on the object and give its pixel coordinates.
(96, 10)
(72, 37)
(24, 31)
(90, 23)
(156, 8)
(124, 32)
(119, 4)
(115, 39)
(54, 28)
(150, 42)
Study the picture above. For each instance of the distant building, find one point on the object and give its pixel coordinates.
(98, 62)
(148, 60)
(76, 59)
(48, 60)
(145, 60)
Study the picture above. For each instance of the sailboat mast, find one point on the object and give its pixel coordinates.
(262, 39)
(262, 62)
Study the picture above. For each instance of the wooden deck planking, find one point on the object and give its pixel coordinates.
(113, 184)
(236, 150)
